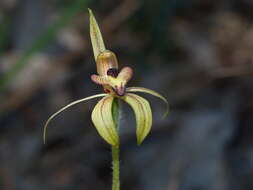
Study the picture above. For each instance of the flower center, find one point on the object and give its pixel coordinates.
(113, 72)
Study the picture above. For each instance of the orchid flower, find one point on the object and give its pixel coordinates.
(114, 82)
(105, 114)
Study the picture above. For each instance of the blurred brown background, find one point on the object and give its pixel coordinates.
(197, 53)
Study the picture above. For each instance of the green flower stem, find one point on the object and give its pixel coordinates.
(115, 168)
(115, 149)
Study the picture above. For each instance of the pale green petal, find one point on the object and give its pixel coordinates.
(96, 36)
(103, 120)
(66, 107)
(143, 115)
(152, 92)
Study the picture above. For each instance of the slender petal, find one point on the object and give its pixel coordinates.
(66, 107)
(152, 92)
(143, 115)
(96, 36)
(103, 120)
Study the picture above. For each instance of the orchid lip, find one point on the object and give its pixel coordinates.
(121, 94)
(120, 91)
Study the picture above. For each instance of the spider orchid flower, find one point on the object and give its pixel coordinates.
(114, 82)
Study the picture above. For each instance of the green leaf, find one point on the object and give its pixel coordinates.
(64, 108)
(152, 92)
(143, 115)
(96, 36)
(103, 120)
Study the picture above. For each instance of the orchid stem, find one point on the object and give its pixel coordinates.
(115, 168)
(116, 149)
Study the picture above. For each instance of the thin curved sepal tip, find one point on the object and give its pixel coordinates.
(64, 108)
(152, 92)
